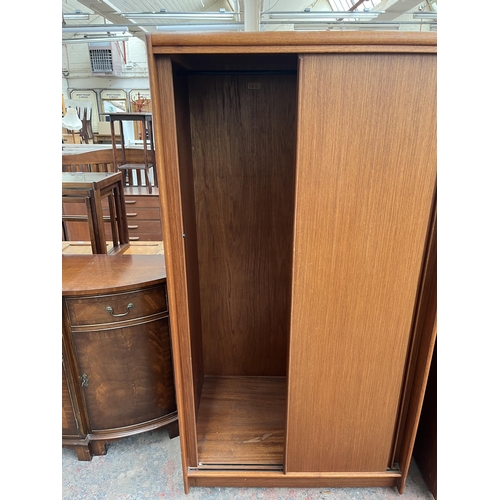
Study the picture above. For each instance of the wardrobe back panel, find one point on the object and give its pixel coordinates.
(243, 138)
(363, 206)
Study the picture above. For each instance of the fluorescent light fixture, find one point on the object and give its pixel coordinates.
(425, 15)
(78, 15)
(201, 27)
(346, 26)
(105, 28)
(365, 27)
(221, 15)
(97, 39)
(323, 15)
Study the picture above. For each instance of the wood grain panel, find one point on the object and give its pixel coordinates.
(423, 345)
(186, 338)
(264, 479)
(241, 421)
(425, 450)
(291, 41)
(69, 422)
(190, 238)
(145, 226)
(363, 200)
(128, 372)
(140, 213)
(294, 49)
(92, 310)
(98, 274)
(243, 132)
(134, 201)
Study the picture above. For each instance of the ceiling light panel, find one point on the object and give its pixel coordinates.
(323, 15)
(96, 39)
(77, 16)
(202, 27)
(105, 28)
(123, 6)
(425, 15)
(220, 16)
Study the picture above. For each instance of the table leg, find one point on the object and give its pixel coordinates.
(121, 212)
(100, 235)
(112, 216)
(91, 223)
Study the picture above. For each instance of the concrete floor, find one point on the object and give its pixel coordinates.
(148, 466)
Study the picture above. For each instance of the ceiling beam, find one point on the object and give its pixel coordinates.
(251, 9)
(354, 7)
(395, 8)
(107, 10)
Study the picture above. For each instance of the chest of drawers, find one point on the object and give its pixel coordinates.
(143, 217)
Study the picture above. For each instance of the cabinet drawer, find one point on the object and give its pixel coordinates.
(92, 310)
(143, 226)
(136, 232)
(137, 212)
(144, 213)
(142, 201)
(145, 237)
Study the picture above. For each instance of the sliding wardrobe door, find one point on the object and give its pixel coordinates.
(365, 181)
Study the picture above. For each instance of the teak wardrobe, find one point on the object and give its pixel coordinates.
(297, 178)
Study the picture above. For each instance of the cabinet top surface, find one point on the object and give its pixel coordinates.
(89, 179)
(96, 274)
(288, 41)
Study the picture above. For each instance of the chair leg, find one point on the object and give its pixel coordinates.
(64, 231)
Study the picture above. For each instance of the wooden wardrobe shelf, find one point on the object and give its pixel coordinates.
(241, 421)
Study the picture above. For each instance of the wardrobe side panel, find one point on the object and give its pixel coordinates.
(183, 127)
(366, 172)
(243, 135)
(172, 147)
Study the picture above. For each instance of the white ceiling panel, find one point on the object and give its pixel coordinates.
(397, 12)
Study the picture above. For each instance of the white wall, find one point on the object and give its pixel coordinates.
(131, 70)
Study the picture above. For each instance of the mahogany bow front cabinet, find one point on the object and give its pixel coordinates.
(117, 366)
(297, 177)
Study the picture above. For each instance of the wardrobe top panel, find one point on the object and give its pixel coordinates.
(292, 42)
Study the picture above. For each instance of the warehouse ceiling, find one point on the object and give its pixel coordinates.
(118, 19)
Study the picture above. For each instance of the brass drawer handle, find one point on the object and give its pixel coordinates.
(132, 214)
(130, 202)
(133, 227)
(110, 310)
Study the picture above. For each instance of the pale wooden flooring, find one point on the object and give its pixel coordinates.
(133, 248)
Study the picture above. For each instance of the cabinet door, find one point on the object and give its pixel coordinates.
(126, 374)
(366, 170)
